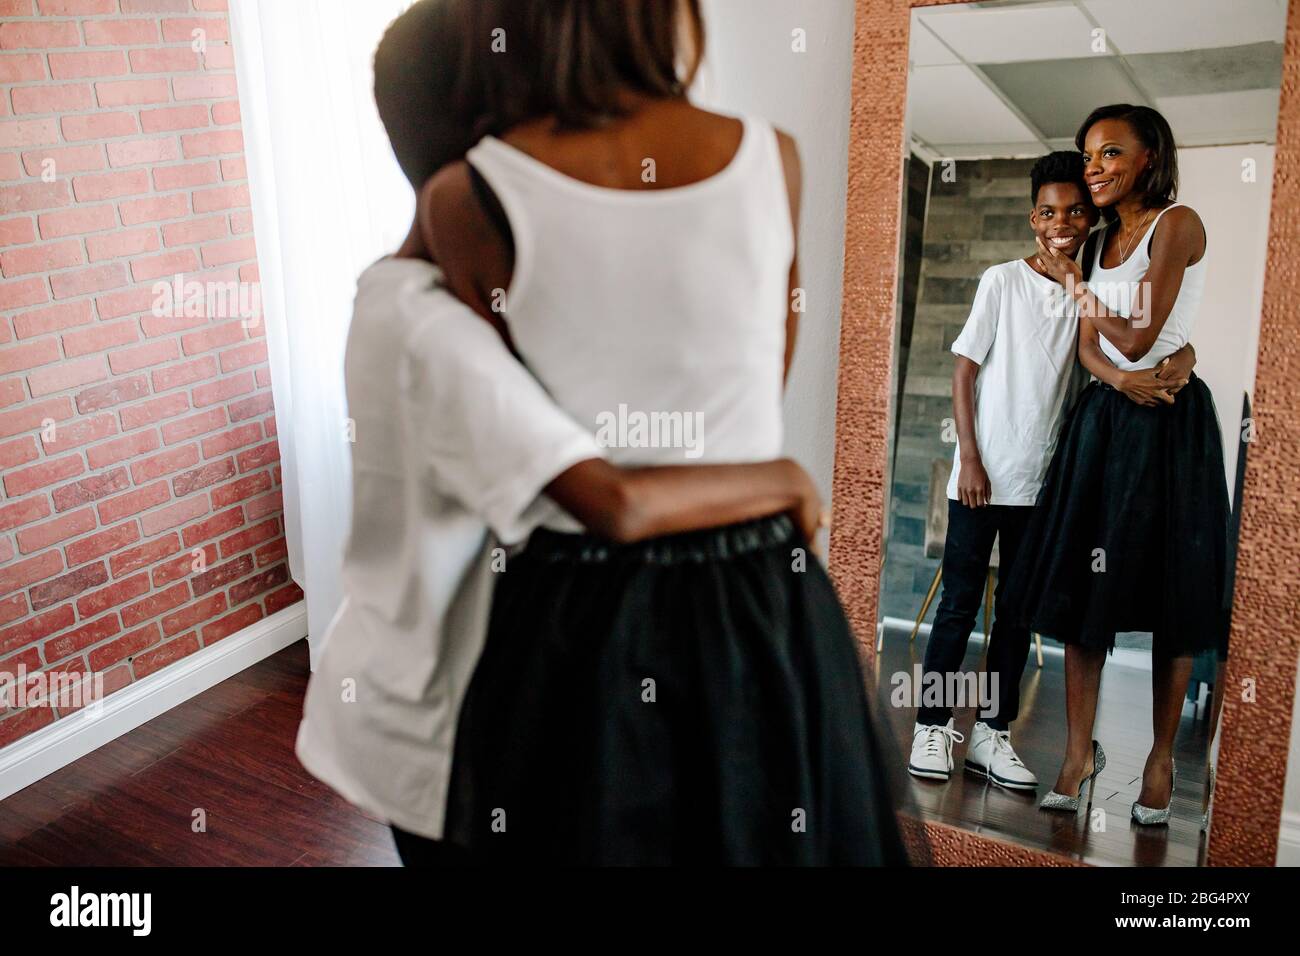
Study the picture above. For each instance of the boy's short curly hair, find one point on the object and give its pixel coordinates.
(418, 68)
(1062, 166)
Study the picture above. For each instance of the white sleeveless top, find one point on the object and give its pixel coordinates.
(1117, 288)
(656, 318)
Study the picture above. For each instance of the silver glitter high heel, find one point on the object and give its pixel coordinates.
(1060, 801)
(1151, 817)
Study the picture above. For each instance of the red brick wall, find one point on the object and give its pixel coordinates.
(141, 511)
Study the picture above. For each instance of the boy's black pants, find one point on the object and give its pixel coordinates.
(966, 553)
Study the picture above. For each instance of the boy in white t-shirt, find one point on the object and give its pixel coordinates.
(1015, 377)
(455, 443)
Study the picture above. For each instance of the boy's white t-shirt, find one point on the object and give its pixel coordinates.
(1023, 332)
(453, 437)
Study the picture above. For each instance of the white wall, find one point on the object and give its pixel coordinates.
(1235, 214)
(751, 68)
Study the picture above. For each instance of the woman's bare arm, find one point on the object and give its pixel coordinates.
(1093, 358)
(1142, 386)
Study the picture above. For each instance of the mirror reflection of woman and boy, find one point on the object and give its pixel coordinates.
(1112, 507)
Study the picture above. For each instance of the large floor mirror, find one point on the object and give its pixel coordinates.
(998, 170)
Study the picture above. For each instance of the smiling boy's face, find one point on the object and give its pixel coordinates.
(1062, 217)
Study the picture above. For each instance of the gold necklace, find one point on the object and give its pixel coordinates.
(1124, 247)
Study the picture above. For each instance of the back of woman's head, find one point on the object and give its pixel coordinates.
(576, 60)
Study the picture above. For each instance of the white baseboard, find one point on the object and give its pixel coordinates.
(45, 751)
(1288, 839)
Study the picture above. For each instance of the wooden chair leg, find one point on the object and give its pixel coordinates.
(929, 598)
(1038, 643)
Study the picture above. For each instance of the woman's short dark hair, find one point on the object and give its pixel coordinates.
(1159, 182)
(575, 59)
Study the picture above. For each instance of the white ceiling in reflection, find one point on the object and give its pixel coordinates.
(1016, 78)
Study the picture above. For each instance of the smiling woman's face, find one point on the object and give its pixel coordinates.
(1114, 160)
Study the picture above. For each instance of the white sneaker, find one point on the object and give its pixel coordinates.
(932, 750)
(990, 755)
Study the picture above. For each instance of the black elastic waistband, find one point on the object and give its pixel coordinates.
(693, 547)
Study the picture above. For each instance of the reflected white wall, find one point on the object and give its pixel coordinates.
(752, 68)
(1235, 213)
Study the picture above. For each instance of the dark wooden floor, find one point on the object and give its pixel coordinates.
(227, 752)
(1124, 730)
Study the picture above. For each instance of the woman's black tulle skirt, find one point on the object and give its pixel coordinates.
(1130, 531)
(696, 699)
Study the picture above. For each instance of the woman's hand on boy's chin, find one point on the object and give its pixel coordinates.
(1058, 265)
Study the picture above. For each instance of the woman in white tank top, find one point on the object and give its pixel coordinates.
(668, 302)
(1130, 529)
(698, 698)
(1119, 289)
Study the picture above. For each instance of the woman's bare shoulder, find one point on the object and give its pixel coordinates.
(1182, 216)
(462, 238)
(450, 184)
(447, 207)
(1182, 228)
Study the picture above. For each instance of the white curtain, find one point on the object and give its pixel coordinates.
(328, 199)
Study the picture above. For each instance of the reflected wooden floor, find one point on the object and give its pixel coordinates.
(227, 752)
(1124, 730)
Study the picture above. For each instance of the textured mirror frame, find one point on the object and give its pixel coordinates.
(1265, 636)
